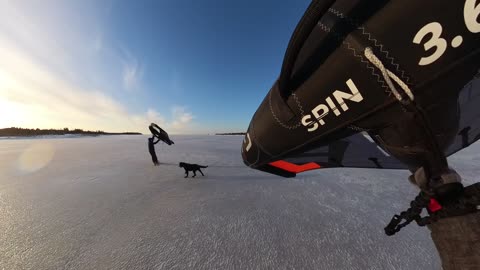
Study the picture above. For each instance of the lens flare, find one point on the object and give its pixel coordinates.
(36, 157)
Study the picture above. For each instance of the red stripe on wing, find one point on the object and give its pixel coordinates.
(287, 166)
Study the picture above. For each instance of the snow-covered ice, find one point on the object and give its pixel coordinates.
(99, 203)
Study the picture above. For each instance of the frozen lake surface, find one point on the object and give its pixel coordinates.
(99, 203)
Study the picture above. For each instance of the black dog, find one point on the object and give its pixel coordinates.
(191, 167)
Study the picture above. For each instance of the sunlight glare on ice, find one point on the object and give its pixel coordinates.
(36, 157)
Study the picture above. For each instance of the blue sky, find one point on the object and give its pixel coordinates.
(190, 66)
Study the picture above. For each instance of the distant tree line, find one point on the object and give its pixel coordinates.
(14, 131)
(232, 133)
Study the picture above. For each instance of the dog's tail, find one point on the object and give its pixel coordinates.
(203, 166)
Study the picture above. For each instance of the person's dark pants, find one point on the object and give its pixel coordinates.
(154, 158)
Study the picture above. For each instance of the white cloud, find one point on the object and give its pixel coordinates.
(36, 71)
(132, 71)
(33, 96)
(179, 122)
(181, 118)
(132, 75)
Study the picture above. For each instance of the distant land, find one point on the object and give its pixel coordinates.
(26, 132)
(234, 133)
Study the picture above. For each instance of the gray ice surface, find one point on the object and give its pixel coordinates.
(99, 203)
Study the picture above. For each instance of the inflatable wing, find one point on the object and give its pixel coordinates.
(351, 67)
(160, 133)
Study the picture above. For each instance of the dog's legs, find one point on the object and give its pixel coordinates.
(194, 174)
(186, 173)
(201, 172)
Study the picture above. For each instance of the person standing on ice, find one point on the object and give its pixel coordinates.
(151, 150)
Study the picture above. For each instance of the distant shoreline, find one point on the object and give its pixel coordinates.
(234, 133)
(26, 132)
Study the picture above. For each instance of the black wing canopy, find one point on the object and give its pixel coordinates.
(160, 133)
(350, 66)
